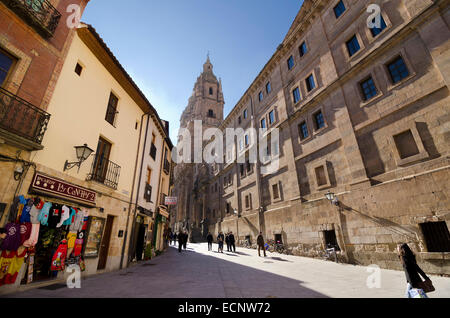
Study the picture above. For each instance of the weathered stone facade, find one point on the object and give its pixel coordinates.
(371, 125)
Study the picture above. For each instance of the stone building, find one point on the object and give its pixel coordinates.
(362, 113)
(205, 106)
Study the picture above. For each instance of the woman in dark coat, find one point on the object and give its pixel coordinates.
(412, 270)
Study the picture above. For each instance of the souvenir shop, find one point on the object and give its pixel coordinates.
(47, 233)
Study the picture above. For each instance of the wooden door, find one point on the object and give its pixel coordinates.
(104, 247)
(102, 160)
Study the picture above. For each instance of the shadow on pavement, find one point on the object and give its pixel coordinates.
(195, 275)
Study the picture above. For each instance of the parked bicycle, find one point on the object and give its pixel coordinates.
(330, 254)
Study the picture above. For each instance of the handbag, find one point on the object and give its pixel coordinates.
(427, 286)
(417, 293)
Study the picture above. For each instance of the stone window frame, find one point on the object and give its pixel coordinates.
(310, 132)
(423, 153)
(322, 163)
(293, 61)
(376, 81)
(19, 68)
(357, 54)
(83, 67)
(300, 89)
(334, 5)
(313, 113)
(316, 83)
(249, 207)
(387, 75)
(370, 38)
(305, 40)
(280, 196)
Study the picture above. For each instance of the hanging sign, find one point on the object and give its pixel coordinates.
(59, 188)
(170, 201)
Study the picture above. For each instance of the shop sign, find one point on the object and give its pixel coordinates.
(164, 213)
(170, 201)
(58, 188)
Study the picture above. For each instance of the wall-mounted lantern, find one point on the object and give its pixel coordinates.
(83, 152)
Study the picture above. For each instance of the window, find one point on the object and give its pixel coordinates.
(211, 113)
(260, 96)
(228, 208)
(239, 120)
(263, 123)
(320, 176)
(112, 109)
(376, 31)
(211, 91)
(6, 62)
(353, 45)
(406, 144)
(319, 120)
(242, 170)
(78, 69)
(241, 144)
(339, 9)
(330, 239)
(290, 62)
(153, 149)
(303, 130)
(245, 114)
(247, 140)
(369, 89)
(297, 95)
(398, 70)
(248, 201)
(436, 236)
(271, 117)
(278, 238)
(303, 49)
(310, 83)
(276, 192)
(268, 88)
(248, 165)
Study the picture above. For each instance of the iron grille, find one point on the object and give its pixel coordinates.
(40, 14)
(105, 172)
(22, 118)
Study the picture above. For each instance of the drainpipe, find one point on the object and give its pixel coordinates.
(155, 228)
(132, 191)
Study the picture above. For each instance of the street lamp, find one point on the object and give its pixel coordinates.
(83, 152)
(332, 198)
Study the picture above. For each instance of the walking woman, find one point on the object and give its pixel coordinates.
(412, 270)
(220, 240)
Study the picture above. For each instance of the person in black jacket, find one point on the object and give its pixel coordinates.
(260, 242)
(232, 242)
(180, 241)
(185, 239)
(412, 270)
(209, 238)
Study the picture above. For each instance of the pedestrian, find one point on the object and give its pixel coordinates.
(185, 239)
(412, 270)
(175, 239)
(227, 241)
(220, 240)
(260, 242)
(180, 241)
(232, 242)
(209, 238)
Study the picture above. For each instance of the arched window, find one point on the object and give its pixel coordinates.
(211, 91)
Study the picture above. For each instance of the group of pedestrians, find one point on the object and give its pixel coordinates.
(181, 238)
(230, 241)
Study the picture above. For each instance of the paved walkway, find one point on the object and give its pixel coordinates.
(197, 273)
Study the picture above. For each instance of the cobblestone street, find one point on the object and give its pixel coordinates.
(197, 273)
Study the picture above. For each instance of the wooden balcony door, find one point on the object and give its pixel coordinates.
(102, 160)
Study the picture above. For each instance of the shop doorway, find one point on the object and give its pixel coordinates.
(140, 243)
(104, 247)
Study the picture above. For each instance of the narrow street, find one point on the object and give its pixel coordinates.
(197, 273)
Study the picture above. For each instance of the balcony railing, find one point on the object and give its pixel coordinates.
(40, 14)
(21, 118)
(148, 193)
(163, 200)
(105, 172)
(166, 167)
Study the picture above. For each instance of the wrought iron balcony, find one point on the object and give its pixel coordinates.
(40, 14)
(148, 193)
(105, 172)
(19, 117)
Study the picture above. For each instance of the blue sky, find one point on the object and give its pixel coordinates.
(163, 44)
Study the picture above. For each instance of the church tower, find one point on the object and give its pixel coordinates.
(206, 104)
